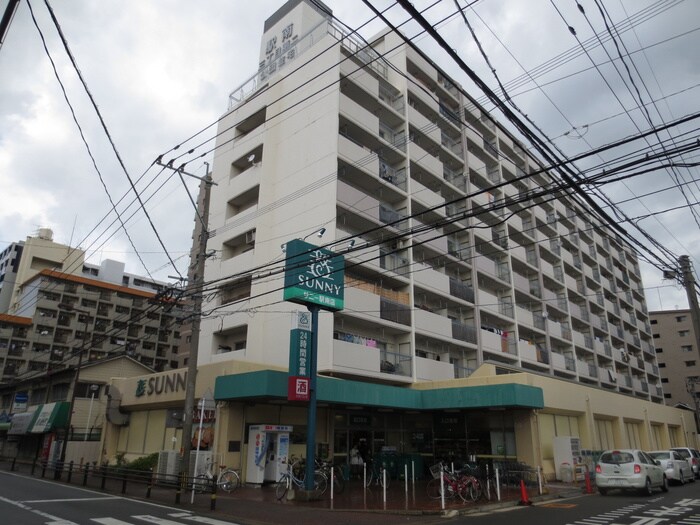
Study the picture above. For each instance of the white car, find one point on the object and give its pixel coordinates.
(692, 456)
(629, 469)
(677, 468)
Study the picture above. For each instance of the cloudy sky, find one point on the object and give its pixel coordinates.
(161, 71)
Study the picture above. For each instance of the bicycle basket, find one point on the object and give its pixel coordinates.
(435, 470)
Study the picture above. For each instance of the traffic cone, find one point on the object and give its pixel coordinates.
(523, 494)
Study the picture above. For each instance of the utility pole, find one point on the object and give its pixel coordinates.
(688, 280)
(195, 285)
(7, 17)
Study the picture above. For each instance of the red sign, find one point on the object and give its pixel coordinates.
(298, 388)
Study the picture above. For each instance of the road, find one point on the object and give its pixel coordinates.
(29, 501)
(679, 506)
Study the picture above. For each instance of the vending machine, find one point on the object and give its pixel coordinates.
(268, 449)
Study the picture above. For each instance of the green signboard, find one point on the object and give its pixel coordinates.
(314, 275)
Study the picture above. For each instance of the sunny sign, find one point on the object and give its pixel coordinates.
(314, 276)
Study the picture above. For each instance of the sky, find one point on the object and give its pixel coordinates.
(161, 71)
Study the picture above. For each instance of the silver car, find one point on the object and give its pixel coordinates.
(629, 469)
(693, 457)
(677, 468)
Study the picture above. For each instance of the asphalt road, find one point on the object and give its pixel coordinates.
(29, 501)
(679, 506)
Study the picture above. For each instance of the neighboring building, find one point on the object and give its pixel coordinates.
(677, 354)
(23, 260)
(119, 320)
(25, 399)
(494, 326)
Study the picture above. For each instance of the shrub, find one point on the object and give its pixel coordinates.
(144, 463)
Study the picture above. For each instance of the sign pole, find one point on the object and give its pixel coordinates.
(311, 424)
(199, 441)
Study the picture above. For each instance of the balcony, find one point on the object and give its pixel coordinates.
(426, 161)
(361, 359)
(427, 197)
(432, 370)
(432, 324)
(427, 277)
(495, 342)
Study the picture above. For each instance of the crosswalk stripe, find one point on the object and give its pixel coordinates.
(157, 520)
(209, 521)
(110, 521)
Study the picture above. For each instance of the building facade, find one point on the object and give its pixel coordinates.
(677, 353)
(63, 313)
(449, 267)
(478, 298)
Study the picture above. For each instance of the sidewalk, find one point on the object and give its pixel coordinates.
(355, 505)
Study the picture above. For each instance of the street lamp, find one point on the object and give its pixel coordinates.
(70, 308)
(93, 388)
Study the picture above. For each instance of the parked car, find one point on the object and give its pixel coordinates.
(629, 469)
(677, 468)
(693, 457)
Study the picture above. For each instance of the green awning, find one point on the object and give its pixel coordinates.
(50, 416)
(269, 384)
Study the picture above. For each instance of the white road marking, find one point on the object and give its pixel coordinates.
(110, 521)
(89, 491)
(59, 500)
(209, 521)
(156, 520)
(56, 520)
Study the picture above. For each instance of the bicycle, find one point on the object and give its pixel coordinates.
(452, 485)
(289, 480)
(228, 479)
(478, 483)
(328, 470)
(375, 474)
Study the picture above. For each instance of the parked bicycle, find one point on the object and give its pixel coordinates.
(328, 469)
(452, 484)
(228, 479)
(375, 474)
(290, 480)
(479, 484)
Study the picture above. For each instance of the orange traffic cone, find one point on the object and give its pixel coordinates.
(523, 494)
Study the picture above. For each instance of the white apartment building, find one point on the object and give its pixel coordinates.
(456, 271)
(382, 150)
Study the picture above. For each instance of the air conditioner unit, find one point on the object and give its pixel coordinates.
(250, 237)
(168, 466)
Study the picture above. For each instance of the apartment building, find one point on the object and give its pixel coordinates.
(381, 151)
(61, 313)
(463, 266)
(24, 259)
(677, 355)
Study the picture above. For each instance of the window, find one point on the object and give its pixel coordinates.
(680, 318)
(662, 365)
(664, 379)
(656, 336)
(659, 350)
(687, 348)
(683, 333)
(667, 396)
(690, 363)
(654, 321)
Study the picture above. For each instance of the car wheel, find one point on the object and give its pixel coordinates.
(664, 484)
(681, 478)
(647, 490)
(602, 491)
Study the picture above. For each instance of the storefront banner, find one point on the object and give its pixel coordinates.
(20, 423)
(299, 353)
